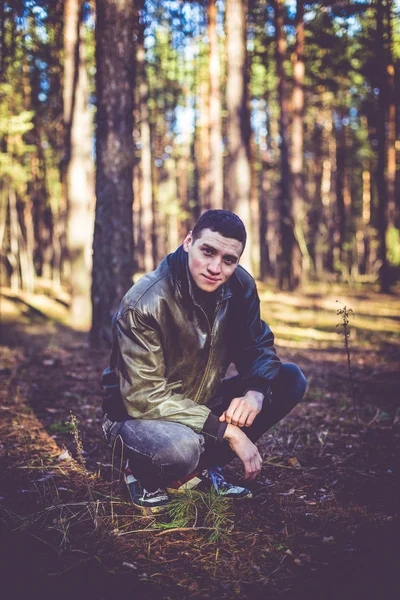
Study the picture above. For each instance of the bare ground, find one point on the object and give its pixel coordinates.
(324, 519)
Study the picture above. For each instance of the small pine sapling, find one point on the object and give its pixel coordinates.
(345, 314)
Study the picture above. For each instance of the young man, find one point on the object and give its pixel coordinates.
(168, 398)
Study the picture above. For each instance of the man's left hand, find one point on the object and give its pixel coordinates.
(243, 410)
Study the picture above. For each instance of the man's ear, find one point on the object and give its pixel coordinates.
(187, 242)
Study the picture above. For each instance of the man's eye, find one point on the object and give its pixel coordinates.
(207, 251)
(228, 261)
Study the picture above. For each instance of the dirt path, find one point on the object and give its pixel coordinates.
(323, 522)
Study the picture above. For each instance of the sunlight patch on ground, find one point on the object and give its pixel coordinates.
(301, 332)
(308, 321)
(40, 304)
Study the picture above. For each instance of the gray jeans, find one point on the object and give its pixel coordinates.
(162, 451)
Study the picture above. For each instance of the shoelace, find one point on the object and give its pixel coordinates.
(217, 478)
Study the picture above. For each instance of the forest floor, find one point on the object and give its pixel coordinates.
(323, 521)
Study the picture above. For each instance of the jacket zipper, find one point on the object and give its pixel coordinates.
(203, 379)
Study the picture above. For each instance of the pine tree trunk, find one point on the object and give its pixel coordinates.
(2, 42)
(301, 262)
(332, 257)
(171, 217)
(183, 173)
(340, 186)
(288, 280)
(79, 168)
(365, 252)
(194, 163)
(216, 156)
(113, 234)
(13, 255)
(146, 197)
(57, 140)
(381, 135)
(137, 216)
(264, 197)
(202, 140)
(238, 128)
(3, 215)
(315, 217)
(29, 246)
(391, 143)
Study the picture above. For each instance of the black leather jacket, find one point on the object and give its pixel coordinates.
(169, 358)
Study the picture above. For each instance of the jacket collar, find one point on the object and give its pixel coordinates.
(179, 263)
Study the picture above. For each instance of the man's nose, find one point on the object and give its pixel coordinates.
(214, 266)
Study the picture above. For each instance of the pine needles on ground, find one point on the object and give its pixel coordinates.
(185, 510)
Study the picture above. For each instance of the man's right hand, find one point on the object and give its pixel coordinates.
(245, 450)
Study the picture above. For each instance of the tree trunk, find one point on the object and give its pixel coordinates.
(14, 247)
(216, 156)
(300, 260)
(265, 194)
(56, 137)
(2, 42)
(3, 214)
(194, 163)
(239, 171)
(288, 280)
(29, 246)
(79, 167)
(330, 204)
(137, 218)
(315, 216)
(113, 234)
(381, 135)
(202, 140)
(340, 185)
(183, 171)
(145, 155)
(169, 191)
(364, 232)
(391, 143)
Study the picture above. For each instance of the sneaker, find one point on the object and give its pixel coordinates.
(212, 479)
(148, 502)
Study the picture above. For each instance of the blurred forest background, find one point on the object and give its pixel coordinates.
(121, 121)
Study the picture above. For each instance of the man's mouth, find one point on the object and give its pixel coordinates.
(210, 279)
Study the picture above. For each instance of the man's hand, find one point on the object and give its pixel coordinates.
(242, 411)
(245, 450)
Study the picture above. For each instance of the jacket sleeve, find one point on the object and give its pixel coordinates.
(256, 358)
(144, 388)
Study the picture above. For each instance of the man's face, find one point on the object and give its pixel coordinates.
(213, 258)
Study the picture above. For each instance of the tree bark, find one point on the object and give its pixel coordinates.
(329, 197)
(12, 256)
(239, 171)
(216, 156)
(381, 135)
(183, 172)
(340, 186)
(365, 241)
(79, 184)
(56, 137)
(113, 234)
(315, 215)
(288, 280)
(2, 42)
(264, 197)
(391, 143)
(300, 260)
(146, 212)
(202, 140)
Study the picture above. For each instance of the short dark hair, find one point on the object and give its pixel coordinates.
(224, 222)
